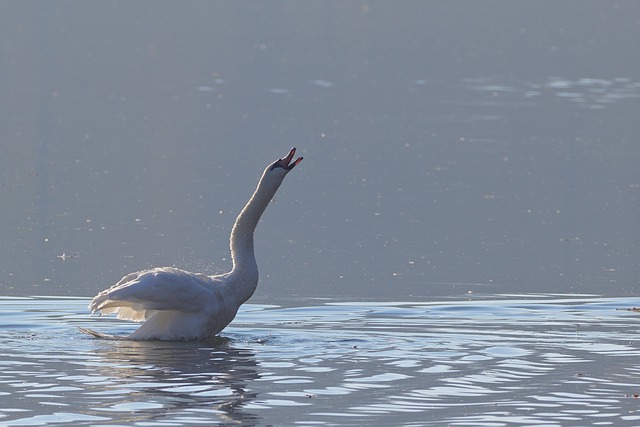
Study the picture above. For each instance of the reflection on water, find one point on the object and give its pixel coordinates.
(593, 93)
(179, 377)
(506, 360)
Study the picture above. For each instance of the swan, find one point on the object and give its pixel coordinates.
(178, 305)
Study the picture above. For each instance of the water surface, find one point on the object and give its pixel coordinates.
(452, 250)
(554, 360)
(449, 147)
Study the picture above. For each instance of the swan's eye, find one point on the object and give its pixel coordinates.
(276, 165)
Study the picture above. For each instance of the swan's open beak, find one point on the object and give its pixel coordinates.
(285, 162)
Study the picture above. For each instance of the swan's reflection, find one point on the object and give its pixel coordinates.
(158, 380)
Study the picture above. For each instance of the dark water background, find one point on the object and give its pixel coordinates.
(492, 145)
(454, 151)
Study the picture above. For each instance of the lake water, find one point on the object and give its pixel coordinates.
(552, 360)
(453, 248)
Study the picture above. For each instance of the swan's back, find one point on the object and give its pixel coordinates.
(175, 304)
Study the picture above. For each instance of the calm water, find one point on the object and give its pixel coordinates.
(548, 360)
(448, 146)
(452, 249)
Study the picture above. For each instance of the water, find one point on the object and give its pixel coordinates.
(452, 249)
(552, 360)
(442, 154)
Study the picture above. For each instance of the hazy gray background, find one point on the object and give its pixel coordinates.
(450, 146)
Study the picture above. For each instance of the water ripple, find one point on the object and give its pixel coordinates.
(505, 360)
(592, 93)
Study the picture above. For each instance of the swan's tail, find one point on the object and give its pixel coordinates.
(100, 335)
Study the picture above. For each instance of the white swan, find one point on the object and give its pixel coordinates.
(176, 304)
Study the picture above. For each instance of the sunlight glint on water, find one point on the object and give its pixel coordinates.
(549, 360)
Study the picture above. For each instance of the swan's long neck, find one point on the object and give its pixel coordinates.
(245, 269)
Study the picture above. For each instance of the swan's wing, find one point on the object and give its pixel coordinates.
(138, 295)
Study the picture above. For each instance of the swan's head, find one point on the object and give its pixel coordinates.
(281, 167)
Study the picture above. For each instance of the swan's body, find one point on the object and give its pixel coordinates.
(176, 304)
